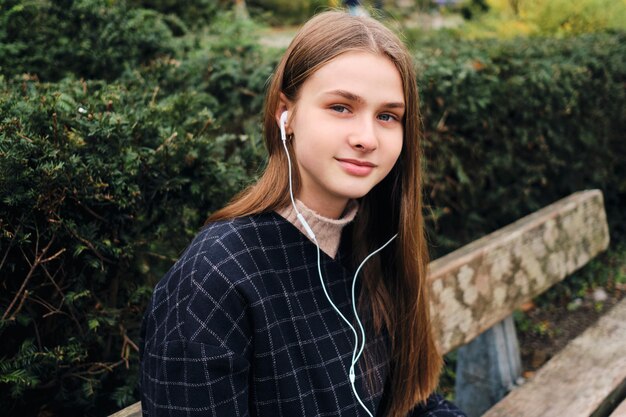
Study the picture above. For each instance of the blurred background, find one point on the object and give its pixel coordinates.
(124, 124)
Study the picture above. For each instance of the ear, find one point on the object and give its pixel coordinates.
(284, 104)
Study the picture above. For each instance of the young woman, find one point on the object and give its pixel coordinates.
(270, 311)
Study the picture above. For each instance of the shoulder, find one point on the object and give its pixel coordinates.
(211, 281)
(222, 240)
(233, 250)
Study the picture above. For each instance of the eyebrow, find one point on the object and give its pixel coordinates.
(353, 97)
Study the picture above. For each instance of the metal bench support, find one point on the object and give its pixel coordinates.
(487, 368)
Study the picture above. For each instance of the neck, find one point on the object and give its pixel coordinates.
(330, 208)
(327, 230)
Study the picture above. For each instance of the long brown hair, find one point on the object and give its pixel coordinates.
(395, 291)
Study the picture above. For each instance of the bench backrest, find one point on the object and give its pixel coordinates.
(483, 282)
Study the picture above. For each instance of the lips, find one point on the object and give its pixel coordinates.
(356, 167)
(357, 162)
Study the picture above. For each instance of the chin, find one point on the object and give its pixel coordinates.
(359, 189)
(355, 193)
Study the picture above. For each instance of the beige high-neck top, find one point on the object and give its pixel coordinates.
(327, 231)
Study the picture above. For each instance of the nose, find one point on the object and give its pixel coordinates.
(364, 137)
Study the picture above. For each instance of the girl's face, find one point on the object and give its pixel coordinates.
(347, 128)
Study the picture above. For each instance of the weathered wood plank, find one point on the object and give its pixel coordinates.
(579, 378)
(130, 411)
(480, 284)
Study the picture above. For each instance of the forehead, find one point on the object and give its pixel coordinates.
(366, 74)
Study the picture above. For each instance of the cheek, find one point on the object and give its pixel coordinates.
(394, 149)
(305, 147)
(398, 148)
(308, 153)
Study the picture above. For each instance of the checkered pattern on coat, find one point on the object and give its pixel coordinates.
(240, 326)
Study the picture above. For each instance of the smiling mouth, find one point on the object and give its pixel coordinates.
(357, 162)
(356, 168)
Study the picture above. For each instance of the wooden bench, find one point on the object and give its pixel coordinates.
(587, 378)
(475, 290)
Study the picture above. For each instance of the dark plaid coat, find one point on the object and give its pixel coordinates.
(240, 326)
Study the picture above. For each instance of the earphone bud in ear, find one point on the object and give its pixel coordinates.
(283, 120)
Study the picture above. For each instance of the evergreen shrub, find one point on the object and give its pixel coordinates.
(287, 12)
(102, 184)
(88, 38)
(100, 188)
(514, 125)
(194, 13)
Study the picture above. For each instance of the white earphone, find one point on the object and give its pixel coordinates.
(355, 356)
(283, 136)
(283, 121)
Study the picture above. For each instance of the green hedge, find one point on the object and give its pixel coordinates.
(515, 125)
(88, 38)
(194, 13)
(285, 12)
(100, 190)
(103, 183)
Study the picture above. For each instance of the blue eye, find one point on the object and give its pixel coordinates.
(339, 108)
(387, 117)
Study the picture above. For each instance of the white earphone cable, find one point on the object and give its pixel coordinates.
(355, 359)
(355, 356)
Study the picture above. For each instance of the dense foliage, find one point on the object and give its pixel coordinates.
(287, 12)
(100, 189)
(87, 38)
(104, 179)
(514, 125)
(194, 13)
(509, 18)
